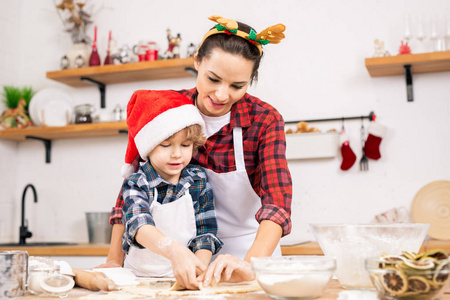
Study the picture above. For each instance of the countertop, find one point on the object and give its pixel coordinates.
(309, 248)
(332, 292)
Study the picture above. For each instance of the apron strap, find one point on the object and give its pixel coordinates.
(238, 149)
(155, 199)
(155, 194)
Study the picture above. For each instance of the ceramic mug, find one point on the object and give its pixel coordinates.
(151, 53)
(395, 215)
(141, 50)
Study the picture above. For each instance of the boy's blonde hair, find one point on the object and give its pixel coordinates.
(194, 134)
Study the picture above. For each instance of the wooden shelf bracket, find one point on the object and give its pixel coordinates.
(101, 87)
(409, 83)
(47, 144)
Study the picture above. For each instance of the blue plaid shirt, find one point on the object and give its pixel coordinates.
(138, 194)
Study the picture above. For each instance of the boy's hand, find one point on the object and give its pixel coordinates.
(227, 268)
(185, 265)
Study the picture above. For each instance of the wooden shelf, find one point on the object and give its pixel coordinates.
(100, 76)
(66, 132)
(420, 63)
(140, 71)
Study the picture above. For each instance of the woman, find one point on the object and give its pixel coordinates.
(244, 155)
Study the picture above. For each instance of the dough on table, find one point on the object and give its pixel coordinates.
(156, 288)
(221, 288)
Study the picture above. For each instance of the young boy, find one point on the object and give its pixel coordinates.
(169, 216)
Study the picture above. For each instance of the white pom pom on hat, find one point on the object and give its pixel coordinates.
(127, 170)
(152, 117)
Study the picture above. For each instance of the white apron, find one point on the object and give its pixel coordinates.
(236, 205)
(175, 220)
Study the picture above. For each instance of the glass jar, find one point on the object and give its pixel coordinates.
(13, 273)
(37, 274)
(83, 113)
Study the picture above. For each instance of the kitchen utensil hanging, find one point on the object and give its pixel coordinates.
(364, 162)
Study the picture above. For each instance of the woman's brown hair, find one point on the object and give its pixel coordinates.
(234, 45)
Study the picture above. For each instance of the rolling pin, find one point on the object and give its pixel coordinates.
(93, 281)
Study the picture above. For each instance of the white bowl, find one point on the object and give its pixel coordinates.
(293, 277)
(351, 244)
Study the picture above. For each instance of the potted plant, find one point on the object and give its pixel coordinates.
(16, 100)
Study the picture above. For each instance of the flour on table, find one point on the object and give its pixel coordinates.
(110, 296)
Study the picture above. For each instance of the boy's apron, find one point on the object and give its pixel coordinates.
(236, 205)
(175, 220)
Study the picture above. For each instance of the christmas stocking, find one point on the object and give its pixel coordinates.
(348, 156)
(372, 146)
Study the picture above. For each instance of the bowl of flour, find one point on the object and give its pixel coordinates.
(294, 277)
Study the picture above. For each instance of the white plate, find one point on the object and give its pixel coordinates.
(53, 105)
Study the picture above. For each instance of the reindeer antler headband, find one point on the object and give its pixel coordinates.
(273, 34)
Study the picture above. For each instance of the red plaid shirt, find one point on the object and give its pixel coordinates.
(264, 152)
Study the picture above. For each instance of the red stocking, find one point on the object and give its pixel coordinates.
(372, 146)
(348, 156)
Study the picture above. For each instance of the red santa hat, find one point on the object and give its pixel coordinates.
(152, 117)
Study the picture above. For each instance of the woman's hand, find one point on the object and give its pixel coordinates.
(110, 264)
(185, 265)
(227, 268)
(116, 255)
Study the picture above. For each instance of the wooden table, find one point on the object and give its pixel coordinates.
(310, 248)
(331, 293)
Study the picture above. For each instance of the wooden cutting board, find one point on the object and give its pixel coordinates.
(431, 205)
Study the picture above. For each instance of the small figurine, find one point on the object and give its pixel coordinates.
(173, 51)
(108, 59)
(94, 59)
(64, 62)
(15, 117)
(79, 61)
(191, 50)
(404, 48)
(379, 49)
(125, 55)
(114, 52)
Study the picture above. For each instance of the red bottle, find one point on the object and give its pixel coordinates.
(108, 60)
(94, 60)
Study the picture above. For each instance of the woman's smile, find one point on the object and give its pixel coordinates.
(223, 79)
(216, 103)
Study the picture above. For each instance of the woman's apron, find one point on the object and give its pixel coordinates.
(175, 220)
(236, 205)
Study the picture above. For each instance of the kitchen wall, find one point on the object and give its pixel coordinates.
(316, 72)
